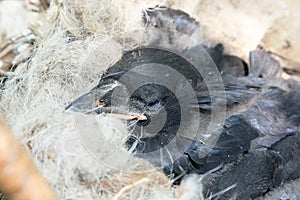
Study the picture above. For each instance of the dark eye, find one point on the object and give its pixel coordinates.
(154, 104)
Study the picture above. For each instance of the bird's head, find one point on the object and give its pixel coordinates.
(154, 90)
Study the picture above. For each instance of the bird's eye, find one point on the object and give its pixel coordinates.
(153, 105)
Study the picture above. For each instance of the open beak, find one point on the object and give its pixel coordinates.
(97, 101)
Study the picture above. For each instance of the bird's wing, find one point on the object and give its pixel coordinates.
(270, 112)
(235, 138)
(272, 118)
(257, 172)
(275, 115)
(263, 71)
(238, 90)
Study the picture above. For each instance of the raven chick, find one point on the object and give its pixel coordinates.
(163, 114)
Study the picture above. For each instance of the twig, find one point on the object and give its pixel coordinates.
(128, 187)
(19, 178)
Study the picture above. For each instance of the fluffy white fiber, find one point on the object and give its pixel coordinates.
(60, 69)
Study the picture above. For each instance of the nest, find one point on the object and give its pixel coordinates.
(67, 48)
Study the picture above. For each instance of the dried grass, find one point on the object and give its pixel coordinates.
(74, 46)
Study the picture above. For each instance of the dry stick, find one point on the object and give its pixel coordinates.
(19, 178)
(128, 187)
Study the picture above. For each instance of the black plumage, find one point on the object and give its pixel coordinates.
(258, 145)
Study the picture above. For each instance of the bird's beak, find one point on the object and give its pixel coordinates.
(97, 101)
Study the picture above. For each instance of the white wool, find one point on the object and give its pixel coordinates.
(61, 69)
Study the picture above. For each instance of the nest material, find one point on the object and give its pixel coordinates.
(73, 47)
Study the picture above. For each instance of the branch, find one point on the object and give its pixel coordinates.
(19, 178)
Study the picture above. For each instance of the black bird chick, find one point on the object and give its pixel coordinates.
(261, 118)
